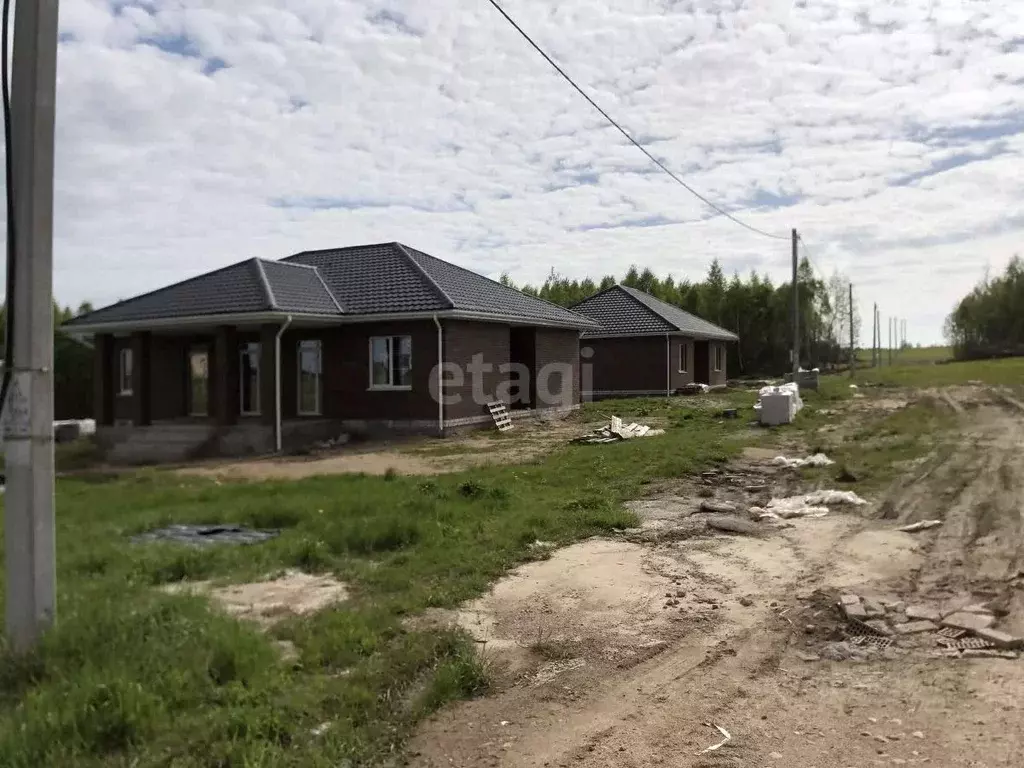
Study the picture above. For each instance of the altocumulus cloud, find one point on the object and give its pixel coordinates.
(193, 133)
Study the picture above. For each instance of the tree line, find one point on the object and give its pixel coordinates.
(989, 321)
(72, 365)
(754, 308)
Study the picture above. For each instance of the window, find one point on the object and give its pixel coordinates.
(684, 359)
(309, 378)
(391, 362)
(199, 382)
(249, 378)
(125, 371)
(719, 357)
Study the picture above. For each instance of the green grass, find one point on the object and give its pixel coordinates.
(1008, 371)
(132, 676)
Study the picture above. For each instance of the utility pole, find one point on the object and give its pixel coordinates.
(28, 516)
(853, 351)
(796, 309)
(890, 340)
(874, 336)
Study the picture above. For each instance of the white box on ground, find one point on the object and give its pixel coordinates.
(777, 408)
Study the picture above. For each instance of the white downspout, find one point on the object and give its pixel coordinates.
(440, 378)
(668, 366)
(277, 382)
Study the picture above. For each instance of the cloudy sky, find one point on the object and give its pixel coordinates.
(195, 133)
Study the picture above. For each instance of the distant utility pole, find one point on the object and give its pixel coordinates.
(891, 324)
(874, 336)
(28, 516)
(853, 351)
(796, 309)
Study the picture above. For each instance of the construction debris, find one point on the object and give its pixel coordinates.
(963, 631)
(924, 525)
(817, 460)
(501, 416)
(779, 405)
(615, 431)
(205, 535)
(814, 504)
(720, 744)
(731, 524)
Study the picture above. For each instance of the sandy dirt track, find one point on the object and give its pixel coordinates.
(628, 652)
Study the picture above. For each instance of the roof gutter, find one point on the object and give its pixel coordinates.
(277, 382)
(668, 365)
(440, 378)
(656, 334)
(258, 318)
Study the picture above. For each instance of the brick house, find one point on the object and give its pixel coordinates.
(268, 355)
(647, 347)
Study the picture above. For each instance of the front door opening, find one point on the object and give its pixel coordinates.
(199, 382)
(249, 379)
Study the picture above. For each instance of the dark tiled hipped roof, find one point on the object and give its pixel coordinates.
(623, 311)
(385, 279)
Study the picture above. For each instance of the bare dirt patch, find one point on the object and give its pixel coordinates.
(756, 667)
(529, 441)
(266, 602)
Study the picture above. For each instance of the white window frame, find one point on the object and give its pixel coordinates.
(391, 368)
(318, 409)
(125, 371)
(684, 357)
(719, 361)
(243, 349)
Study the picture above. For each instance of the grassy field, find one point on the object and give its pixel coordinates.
(132, 676)
(1006, 372)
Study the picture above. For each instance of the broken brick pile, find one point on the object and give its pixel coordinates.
(968, 630)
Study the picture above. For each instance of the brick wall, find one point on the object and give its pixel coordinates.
(462, 341)
(680, 379)
(557, 367)
(630, 365)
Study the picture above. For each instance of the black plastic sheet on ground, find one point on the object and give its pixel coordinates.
(205, 535)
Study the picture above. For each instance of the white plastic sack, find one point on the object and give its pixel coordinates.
(813, 504)
(817, 460)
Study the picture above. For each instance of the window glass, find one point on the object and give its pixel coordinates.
(249, 373)
(309, 376)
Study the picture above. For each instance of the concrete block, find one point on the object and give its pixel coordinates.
(972, 622)
(915, 627)
(849, 599)
(922, 613)
(1000, 639)
(873, 609)
(880, 627)
(855, 611)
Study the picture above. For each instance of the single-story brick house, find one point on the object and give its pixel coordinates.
(268, 355)
(645, 346)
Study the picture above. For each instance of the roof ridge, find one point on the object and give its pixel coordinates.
(676, 308)
(490, 280)
(266, 283)
(287, 263)
(155, 291)
(419, 268)
(313, 251)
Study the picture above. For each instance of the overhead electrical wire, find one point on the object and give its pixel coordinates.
(5, 85)
(626, 133)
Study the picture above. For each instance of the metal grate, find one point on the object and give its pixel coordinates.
(876, 640)
(967, 643)
(952, 634)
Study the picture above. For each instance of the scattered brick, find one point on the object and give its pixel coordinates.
(922, 613)
(972, 622)
(915, 627)
(1000, 639)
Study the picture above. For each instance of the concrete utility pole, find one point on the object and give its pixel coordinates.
(28, 516)
(796, 308)
(853, 351)
(891, 325)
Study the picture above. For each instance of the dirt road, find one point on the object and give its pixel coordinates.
(630, 652)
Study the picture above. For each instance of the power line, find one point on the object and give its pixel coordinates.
(628, 136)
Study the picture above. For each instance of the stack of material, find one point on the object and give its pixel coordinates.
(779, 405)
(616, 431)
